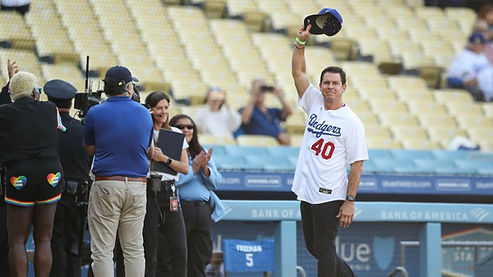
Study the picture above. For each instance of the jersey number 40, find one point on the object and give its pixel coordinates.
(326, 149)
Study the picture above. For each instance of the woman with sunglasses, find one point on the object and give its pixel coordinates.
(161, 217)
(201, 206)
(34, 181)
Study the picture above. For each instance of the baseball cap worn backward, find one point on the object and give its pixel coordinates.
(119, 75)
(328, 21)
(477, 38)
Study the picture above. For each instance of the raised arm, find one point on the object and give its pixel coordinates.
(298, 64)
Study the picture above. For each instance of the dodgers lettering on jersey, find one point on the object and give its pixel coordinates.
(321, 128)
(333, 139)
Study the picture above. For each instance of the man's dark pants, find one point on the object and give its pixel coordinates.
(320, 226)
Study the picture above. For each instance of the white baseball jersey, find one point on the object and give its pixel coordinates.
(333, 139)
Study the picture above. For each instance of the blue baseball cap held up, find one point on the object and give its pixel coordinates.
(328, 21)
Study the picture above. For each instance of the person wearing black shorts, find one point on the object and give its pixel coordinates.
(34, 178)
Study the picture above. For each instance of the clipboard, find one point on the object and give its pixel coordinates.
(171, 144)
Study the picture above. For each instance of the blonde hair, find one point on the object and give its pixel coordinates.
(22, 84)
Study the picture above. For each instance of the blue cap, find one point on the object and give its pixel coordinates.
(477, 38)
(119, 75)
(328, 21)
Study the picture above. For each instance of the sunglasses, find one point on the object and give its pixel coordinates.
(183, 126)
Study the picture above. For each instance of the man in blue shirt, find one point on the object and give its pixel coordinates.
(257, 119)
(118, 133)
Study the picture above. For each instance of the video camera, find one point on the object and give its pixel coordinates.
(85, 100)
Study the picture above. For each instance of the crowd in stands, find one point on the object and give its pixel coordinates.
(472, 68)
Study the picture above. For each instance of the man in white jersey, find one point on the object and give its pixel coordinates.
(334, 138)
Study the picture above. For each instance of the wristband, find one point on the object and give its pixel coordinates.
(299, 47)
(300, 42)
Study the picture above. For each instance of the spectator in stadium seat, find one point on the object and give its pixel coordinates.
(216, 117)
(201, 206)
(257, 119)
(21, 6)
(471, 70)
(485, 24)
(334, 139)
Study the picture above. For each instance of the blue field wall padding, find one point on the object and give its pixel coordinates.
(248, 256)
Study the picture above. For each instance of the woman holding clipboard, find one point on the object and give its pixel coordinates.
(164, 216)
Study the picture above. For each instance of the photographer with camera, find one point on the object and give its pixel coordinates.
(118, 133)
(70, 213)
(257, 119)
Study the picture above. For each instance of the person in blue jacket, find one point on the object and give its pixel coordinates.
(200, 205)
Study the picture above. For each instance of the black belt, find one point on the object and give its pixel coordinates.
(195, 202)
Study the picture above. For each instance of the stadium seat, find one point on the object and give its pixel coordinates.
(404, 132)
(414, 144)
(68, 72)
(412, 94)
(236, 150)
(26, 60)
(453, 95)
(444, 134)
(437, 121)
(418, 107)
(394, 106)
(296, 140)
(474, 166)
(270, 163)
(383, 165)
(447, 155)
(369, 91)
(465, 17)
(379, 153)
(460, 109)
(391, 118)
(410, 154)
(215, 140)
(383, 143)
(16, 31)
(488, 109)
(283, 151)
(256, 140)
(233, 163)
(480, 134)
(466, 121)
(295, 123)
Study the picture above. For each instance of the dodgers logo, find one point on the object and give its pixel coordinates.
(53, 178)
(322, 128)
(18, 182)
(383, 249)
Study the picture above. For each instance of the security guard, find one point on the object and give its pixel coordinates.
(70, 213)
